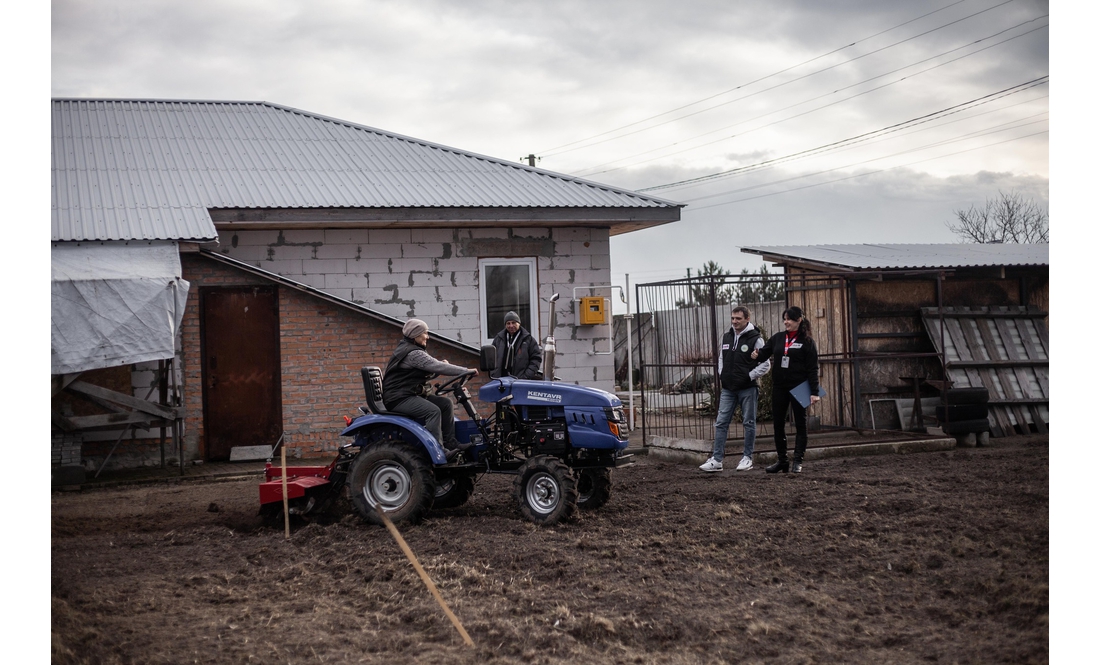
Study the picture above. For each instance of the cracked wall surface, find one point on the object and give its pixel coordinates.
(432, 274)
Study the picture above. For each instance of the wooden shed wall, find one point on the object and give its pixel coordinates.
(888, 320)
(824, 302)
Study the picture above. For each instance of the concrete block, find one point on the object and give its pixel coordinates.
(429, 250)
(246, 453)
(390, 236)
(966, 440)
(572, 262)
(291, 252)
(301, 237)
(282, 267)
(571, 234)
(346, 236)
(582, 248)
(430, 279)
(587, 277)
(337, 251)
(403, 266)
(489, 233)
(432, 235)
(346, 281)
(324, 267)
(377, 251)
(601, 261)
(531, 232)
(466, 278)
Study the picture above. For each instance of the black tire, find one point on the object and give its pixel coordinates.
(593, 488)
(396, 476)
(955, 412)
(546, 490)
(967, 396)
(967, 426)
(453, 492)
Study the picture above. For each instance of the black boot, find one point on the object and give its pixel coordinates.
(796, 466)
(781, 465)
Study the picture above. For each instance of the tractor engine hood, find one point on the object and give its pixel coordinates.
(545, 393)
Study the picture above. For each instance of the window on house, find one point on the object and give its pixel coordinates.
(508, 285)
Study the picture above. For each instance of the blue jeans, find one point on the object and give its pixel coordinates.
(747, 397)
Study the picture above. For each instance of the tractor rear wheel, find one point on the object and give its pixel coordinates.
(395, 476)
(453, 492)
(546, 490)
(593, 488)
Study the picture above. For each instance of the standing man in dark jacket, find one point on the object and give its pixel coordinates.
(738, 373)
(518, 353)
(405, 390)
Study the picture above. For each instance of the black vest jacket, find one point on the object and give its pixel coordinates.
(401, 383)
(737, 363)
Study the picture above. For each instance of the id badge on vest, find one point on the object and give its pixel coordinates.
(785, 362)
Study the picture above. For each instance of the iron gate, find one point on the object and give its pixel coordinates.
(679, 324)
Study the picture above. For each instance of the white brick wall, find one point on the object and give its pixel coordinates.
(358, 264)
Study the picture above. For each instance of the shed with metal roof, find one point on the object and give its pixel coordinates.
(908, 321)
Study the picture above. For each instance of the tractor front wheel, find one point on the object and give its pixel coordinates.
(593, 488)
(394, 476)
(546, 490)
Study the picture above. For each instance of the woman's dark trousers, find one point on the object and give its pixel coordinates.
(781, 399)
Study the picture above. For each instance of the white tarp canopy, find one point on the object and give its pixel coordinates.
(114, 304)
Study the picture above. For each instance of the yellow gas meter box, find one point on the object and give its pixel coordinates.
(594, 311)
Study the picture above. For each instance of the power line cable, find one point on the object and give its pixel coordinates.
(962, 137)
(877, 139)
(550, 153)
(590, 172)
(861, 175)
(929, 117)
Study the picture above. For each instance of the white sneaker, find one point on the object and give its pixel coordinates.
(745, 464)
(711, 465)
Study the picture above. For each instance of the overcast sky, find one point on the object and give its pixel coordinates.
(636, 94)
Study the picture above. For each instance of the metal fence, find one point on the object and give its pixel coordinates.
(679, 324)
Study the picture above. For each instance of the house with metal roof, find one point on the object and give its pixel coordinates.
(900, 323)
(386, 225)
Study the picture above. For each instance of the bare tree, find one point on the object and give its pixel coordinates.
(1007, 218)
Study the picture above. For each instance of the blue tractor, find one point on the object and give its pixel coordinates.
(560, 441)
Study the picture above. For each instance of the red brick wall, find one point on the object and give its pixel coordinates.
(322, 348)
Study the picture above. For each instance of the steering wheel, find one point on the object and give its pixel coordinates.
(454, 384)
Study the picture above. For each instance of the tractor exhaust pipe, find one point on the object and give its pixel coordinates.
(548, 348)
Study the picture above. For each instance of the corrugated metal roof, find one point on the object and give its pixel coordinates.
(150, 169)
(916, 256)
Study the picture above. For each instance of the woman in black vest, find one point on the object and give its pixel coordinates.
(794, 360)
(405, 390)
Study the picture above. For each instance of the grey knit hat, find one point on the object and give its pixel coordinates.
(414, 328)
(511, 316)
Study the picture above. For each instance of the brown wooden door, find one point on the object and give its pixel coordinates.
(242, 392)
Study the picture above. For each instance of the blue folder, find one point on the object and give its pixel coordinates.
(801, 392)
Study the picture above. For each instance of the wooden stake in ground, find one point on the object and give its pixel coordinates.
(420, 571)
(286, 501)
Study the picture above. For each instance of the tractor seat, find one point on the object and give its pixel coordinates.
(372, 384)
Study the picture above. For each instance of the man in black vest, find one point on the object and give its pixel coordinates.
(738, 372)
(518, 353)
(405, 390)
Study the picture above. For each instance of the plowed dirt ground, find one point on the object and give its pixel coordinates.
(920, 558)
